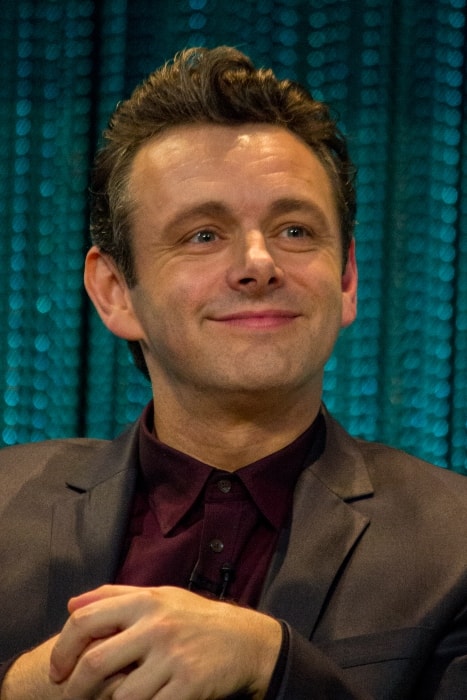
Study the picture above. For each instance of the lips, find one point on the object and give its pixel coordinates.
(268, 318)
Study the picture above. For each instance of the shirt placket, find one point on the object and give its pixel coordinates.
(229, 517)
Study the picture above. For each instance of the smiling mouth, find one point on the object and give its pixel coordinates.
(258, 319)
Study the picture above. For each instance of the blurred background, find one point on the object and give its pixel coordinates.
(395, 74)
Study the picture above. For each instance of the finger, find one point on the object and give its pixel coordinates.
(83, 627)
(117, 608)
(103, 666)
(145, 683)
(97, 594)
(109, 687)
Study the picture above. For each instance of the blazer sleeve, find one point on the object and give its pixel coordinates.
(445, 677)
(309, 672)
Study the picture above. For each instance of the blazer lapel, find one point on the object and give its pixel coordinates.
(88, 524)
(322, 534)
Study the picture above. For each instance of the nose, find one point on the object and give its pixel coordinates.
(254, 269)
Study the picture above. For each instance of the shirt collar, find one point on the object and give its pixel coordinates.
(175, 480)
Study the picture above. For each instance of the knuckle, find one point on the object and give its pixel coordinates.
(147, 599)
(79, 619)
(93, 661)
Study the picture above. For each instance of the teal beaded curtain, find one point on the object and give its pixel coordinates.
(395, 73)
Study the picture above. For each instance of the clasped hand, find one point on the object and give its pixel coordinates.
(123, 642)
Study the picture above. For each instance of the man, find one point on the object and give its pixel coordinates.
(236, 541)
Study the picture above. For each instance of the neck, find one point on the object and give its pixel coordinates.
(230, 434)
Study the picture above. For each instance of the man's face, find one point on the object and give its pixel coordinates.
(238, 260)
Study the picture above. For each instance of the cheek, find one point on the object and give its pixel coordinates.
(328, 306)
(322, 283)
(170, 300)
(192, 288)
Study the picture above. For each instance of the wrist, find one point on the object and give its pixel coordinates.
(28, 676)
(268, 648)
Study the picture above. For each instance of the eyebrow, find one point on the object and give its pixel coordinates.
(284, 205)
(209, 208)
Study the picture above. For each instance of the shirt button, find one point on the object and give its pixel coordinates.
(216, 545)
(224, 485)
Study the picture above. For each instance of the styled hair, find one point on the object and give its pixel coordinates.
(208, 86)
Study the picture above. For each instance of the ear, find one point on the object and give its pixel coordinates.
(349, 288)
(110, 295)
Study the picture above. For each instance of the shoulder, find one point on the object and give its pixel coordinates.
(387, 483)
(387, 464)
(66, 459)
(416, 512)
(383, 462)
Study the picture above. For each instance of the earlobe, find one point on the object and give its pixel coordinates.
(349, 288)
(110, 295)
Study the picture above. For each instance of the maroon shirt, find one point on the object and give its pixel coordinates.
(195, 526)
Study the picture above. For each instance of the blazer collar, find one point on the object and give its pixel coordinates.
(89, 521)
(325, 527)
(341, 467)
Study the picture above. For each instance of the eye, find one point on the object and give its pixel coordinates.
(295, 232)
(203, 236)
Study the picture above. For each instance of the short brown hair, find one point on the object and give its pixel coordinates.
(202, 86)
(217, 86)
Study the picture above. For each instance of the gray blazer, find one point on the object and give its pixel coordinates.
(370, 577)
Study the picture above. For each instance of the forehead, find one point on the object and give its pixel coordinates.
(207, 160)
